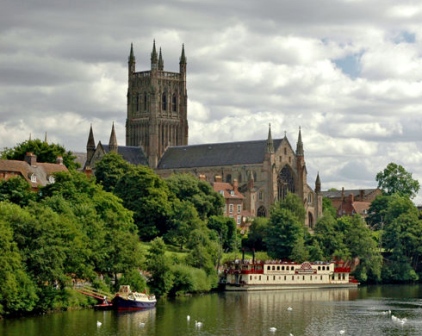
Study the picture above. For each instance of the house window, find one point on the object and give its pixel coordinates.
(231, 208)
(261, 196)
(239, 218)
(239, 208)
(221, 192)
(33, 178)
(51, 179)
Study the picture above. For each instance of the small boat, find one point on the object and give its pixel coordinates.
(125, 299)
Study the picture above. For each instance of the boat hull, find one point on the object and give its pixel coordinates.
(121, 303)
(246, 288)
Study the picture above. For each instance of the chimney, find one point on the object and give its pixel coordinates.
(361, 194)
(351, 198)
(235, 185)
(31, 159)
(59, 160)
(202, 177)
(218, 178)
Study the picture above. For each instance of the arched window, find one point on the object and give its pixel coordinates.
(137, 102)
(164, 102)
(310, 220)
(262, 212)
(228, 178)
(239, 178)
(285, 182)
(145, 101)
(174, 103)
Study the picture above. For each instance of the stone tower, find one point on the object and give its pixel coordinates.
(156, 106)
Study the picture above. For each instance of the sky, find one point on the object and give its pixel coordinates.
(347, 72)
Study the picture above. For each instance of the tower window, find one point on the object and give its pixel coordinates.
(145, 101)
(174, 103)
(164, 102)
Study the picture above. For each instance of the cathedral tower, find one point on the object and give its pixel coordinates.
(156, 106)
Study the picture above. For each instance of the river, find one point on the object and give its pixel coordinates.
(357, 312)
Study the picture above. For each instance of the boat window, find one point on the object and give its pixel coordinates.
(293, 277)
(274, 277)
(319, 268)
(273, 268)
(278, 268)
(268, 267)
(303, 278)
(282, 268)
(284, 277)
(250, 277)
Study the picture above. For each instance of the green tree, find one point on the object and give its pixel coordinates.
(226, 230)
(17, 291)
(327, 206)
(148, 196)
(45, 153)
(200, 193)
(257, 234)
(110, 169)
(160, 267)
(394, 179)
(377, 211)
(16, 190)
(330, 238)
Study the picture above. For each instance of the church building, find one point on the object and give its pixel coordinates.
(264, 171)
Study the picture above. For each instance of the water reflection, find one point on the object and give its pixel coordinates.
(363, 311)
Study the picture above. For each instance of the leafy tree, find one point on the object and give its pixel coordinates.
(148, 196)
(183, 219)
(204, 251)
(283, 234)
(17, 291)
(377, 211)
(45, 153)
(134, 278)
(226, 229)
(330, 238)
(200, 193)
(293, 203)
(159, 265)
(395, 179)
(110, 169)
(327, 206)
(257, 234)
(16, 190)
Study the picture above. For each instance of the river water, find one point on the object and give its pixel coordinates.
(358, 312)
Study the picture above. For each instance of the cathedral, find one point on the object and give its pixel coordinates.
(263, 171)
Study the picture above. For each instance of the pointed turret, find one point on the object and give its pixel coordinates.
(270, 143)
(112, 144)
(154, 57)
(90, 147)
(299, 146)
(182, 63)
(131, 61)
(45, 138)
(317, 184)
(160, 61)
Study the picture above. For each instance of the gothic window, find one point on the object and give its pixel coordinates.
(239, 178)
(262, 212)
(164, 102)
(137, 102)
(285, 182)
(309, 198)
(260, 195)
(285, 151)
(145, 101)
(174, 103)
(310, 220)
(228, 178)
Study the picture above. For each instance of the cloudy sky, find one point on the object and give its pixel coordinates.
(349, 73)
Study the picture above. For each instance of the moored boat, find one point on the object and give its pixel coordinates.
(245, 275)
(125, 299)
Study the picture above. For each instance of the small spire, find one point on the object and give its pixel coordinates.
(45, 138)
(113, 140)
(318, 184)
(270, 143)
(183, 57)
(154, 58)
(131, 55)
(160, 61)
(30, 136)
(91, 142)
(299, 146)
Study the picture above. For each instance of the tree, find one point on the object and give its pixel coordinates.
(16, 190)
(257, 234)
(283, 234)
(110, 169)
(148, 196)
(45, 153)
(159, 265)
(226, 229)
(394, 179)
(200, 193)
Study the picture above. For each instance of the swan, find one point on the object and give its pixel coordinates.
(198, 324)
(99, 323)
(341, 332)
(273, 329)
(289, 308)
(142, 324)
(188, 318)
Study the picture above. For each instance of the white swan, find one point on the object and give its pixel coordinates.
(341, 332)
(273, 329)
(289, 308)
(198, 324)
(142, 324)
(188, 318)
(99, 323)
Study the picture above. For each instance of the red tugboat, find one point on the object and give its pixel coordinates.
(125, 299)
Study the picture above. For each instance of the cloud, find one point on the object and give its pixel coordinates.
(346, 72)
